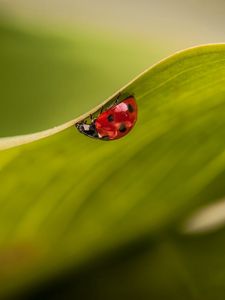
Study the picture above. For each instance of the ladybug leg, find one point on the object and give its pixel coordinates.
(113, 104)
(92, 119)
(102, 109)
(117, 98)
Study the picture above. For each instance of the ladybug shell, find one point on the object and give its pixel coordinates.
(117, 121)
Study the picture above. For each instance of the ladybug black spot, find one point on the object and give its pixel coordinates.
(110, 118)
(122, 128)
(130, 108)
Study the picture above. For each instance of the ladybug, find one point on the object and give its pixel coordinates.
(113, 123)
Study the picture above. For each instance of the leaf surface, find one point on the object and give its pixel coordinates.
(68, 200)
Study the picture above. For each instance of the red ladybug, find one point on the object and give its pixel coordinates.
(113, 123)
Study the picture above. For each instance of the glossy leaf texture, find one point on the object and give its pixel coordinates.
(112, 212)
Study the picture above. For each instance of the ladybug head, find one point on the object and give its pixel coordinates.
(87, 129)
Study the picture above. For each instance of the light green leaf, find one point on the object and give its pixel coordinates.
(68, 200)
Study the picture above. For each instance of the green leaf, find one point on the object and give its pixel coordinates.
(166, 267)
(67, 200)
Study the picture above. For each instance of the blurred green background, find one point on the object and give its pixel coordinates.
(58, 47)
(58, 59)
